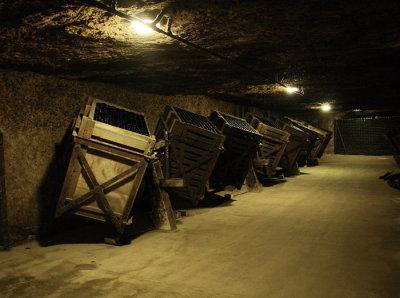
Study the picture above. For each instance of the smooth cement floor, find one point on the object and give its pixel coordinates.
(333, 231)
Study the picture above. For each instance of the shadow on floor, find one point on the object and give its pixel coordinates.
(210, 200)
(78, 230)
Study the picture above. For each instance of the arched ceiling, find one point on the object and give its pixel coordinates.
(342, 51)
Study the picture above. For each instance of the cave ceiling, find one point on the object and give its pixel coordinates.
(345, 52)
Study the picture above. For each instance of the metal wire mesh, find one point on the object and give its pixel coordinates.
(239, 124)
(195, 119)
(364, 136)
(120, 118)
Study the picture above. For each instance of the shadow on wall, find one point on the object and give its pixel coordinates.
(52, 182)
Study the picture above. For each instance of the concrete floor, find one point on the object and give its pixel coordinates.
(333, 231)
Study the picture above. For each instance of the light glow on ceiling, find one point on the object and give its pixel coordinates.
(326, 107)
(292, 89)
(141, 28)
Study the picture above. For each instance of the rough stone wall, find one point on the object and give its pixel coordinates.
(35, 113)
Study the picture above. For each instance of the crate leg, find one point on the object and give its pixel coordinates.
(163, 215)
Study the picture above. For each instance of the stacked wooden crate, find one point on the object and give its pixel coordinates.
(112, 149)
(193, 146)
(241, 145)
(294, 149)
(273, 143)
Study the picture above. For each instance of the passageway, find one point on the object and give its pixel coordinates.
(333, 231)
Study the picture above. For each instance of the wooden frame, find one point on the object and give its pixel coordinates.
(190, 154)
(273, 144)
(97, 199)
(294, 149)
(314, 142)
(240, 149)
(87, 128)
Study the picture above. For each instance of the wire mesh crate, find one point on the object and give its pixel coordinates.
(273, 143)
(241, 145)
(192, 149)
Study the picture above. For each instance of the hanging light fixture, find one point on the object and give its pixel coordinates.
(141, 28)
(292, 89)
(326, 107)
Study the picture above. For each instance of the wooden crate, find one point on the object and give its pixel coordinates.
(88, 128)
(314, 142)
(326, 135)
(191, 151)
(273, 144)
(102, 183)
(107, 166)
(294, 149)
(241, 145)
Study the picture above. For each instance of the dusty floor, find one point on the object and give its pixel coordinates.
(332, 232)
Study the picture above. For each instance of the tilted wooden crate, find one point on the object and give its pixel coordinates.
(106, 168)
(314, 142)
(241, 145)
(294, 149)
(326, 136)
(273, 144)
(193, 147)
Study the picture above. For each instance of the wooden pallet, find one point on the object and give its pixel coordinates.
(240, 149)
(191, 154)
(87, 128)
(273, 144)
(294, 149)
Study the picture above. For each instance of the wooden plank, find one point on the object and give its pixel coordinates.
(101, 199)
(172, 182)
(4, 233)
(163, 215)
(111, 135)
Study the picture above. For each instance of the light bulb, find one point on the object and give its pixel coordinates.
(326, 107)
(292, 89)
(141, 28)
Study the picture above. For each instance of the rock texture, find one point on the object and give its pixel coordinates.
(343, 51)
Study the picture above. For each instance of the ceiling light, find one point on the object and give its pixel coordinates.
(292, 89)
(141, 28)
(326, 107)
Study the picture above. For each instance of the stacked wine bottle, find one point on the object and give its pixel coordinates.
(243, 125)
(120, 118)
(196, 120)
